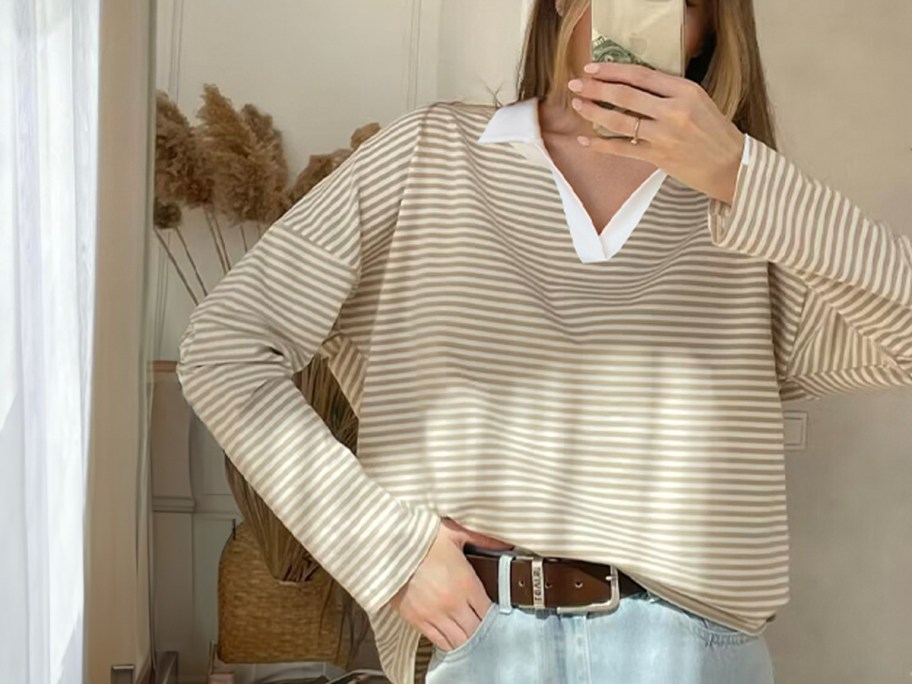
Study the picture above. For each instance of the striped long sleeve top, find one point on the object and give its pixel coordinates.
(626, 411)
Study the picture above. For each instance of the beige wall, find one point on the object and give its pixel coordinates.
(839, 74)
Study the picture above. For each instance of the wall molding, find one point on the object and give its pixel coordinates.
(414, 61)
(173, 504)
(177, 31)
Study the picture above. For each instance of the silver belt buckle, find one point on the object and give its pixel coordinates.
(604, 607)
(538, 591)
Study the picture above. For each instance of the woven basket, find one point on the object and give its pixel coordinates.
(264, 620)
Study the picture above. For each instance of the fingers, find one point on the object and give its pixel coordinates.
(459, 626)
(466, 621)
(620, 95)
(480, 606)
(614, 120)
(467, 536)
(622, 148)
(454, 629)
(454, 632)
(435, 636)
(486, 542)
(642, 77)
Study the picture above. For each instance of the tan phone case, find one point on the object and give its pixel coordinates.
(646, 32)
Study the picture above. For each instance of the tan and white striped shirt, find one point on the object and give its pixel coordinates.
(626, 411)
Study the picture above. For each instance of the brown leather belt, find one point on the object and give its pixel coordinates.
(567, 585)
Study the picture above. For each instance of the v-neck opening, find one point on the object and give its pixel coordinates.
(620, 210)
(592, 246)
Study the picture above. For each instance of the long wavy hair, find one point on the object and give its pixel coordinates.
(728, 67)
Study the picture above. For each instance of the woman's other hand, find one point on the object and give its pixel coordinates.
(444, 599)
(682, 131)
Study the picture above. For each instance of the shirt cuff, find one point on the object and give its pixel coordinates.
(720, 209)
(746, 153)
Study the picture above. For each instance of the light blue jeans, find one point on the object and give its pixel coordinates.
(646, 640)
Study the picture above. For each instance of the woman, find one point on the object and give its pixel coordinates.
(570, 459)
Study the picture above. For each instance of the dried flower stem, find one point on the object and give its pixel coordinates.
(243, 226)
(221, 237)
(192, 262)
(177, 268)
(223, 260)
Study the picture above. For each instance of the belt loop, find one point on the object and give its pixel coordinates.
(504, 597)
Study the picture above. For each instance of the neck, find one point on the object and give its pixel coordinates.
(557, 119)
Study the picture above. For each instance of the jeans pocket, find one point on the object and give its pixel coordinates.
(707, 629)
(473, 640)
(720, 633)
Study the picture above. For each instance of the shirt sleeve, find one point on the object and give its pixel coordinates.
(262, 323)
(840, 282)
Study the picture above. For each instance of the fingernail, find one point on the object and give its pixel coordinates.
(582, 140)
(591, 68)
(576, 103)
(575, 85)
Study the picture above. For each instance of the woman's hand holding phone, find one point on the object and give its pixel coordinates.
(682, 130)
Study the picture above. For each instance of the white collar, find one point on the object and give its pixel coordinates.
(516, 122)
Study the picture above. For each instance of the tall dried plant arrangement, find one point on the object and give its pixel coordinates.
(233, 167)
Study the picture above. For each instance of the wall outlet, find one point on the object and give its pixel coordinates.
(795, 425)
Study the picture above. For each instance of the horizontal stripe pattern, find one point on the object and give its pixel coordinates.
(627, 411)
(841, 283)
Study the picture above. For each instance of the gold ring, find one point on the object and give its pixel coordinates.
(636, 131)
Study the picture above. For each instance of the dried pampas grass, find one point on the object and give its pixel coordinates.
(270, 138)
(166, 216)
(318, 167)
(362, 134)
(248, 182)
(232, 166)
(180, 169)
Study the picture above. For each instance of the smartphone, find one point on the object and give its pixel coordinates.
(645, 32)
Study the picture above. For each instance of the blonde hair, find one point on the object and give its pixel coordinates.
(729, 68)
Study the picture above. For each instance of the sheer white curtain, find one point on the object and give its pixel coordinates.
(48, 163)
